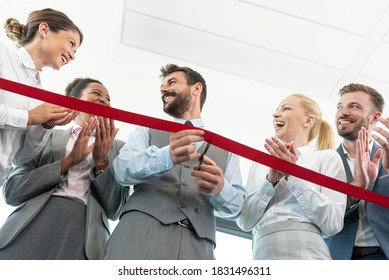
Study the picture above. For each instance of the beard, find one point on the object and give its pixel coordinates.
(352, 135)
(179, 105)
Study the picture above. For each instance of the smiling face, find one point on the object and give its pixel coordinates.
(176, 94)
(59, 48)
(354, 111)
(95, 93)
(290, 122)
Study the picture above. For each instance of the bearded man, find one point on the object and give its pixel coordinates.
(170, 215)
(366, 225)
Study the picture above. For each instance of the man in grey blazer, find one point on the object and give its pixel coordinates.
(170, 215)
(65, 194)
(366, 225)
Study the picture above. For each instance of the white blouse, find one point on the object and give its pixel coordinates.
(294, 198)
(16, 66)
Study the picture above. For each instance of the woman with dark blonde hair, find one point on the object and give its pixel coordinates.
(289, 216)
(48, 39)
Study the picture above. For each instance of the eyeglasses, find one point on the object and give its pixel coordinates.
(206, 149)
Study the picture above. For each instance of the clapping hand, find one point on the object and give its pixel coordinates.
(50, 115)
(365, 170)
(105, 136)
(81, 148)
(285, 151)
(384, 141)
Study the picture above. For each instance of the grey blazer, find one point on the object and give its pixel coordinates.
(341, 244)
(29, 186)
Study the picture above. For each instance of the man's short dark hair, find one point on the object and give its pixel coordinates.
(375, 97)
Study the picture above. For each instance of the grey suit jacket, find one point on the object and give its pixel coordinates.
(29, 186)
(341, 245)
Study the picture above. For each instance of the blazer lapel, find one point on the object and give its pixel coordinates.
(349, 174)
(60, 138)
(347, 168)
(373, 152)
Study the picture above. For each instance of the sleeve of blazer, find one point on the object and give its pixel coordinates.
(29, 180)
(112, 195)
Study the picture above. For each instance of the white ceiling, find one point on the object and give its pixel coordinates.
(305, 46)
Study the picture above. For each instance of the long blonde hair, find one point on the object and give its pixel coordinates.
(321, 128)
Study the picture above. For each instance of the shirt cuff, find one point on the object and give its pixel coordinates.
(223, 195)
(229, 200)
(166, 159)
(17, 118)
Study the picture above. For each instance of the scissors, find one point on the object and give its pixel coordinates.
(202, 155)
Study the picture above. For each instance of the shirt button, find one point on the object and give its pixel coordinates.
(186, 165)
(181, 205)
(197, 210)
(184, 184)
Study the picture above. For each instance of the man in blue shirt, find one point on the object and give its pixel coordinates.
(170, 215)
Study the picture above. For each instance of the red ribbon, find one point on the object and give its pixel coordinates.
(217, 140)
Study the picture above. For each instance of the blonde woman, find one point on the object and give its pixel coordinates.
(289, 216)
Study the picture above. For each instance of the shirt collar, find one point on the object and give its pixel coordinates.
(26, 60)
(304, 151)
(196, 122)
(348, 155)
(77, 128)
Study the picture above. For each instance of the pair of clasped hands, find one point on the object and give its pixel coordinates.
(209, 177)
(104, 131)
(50, 115)
(365, 169)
